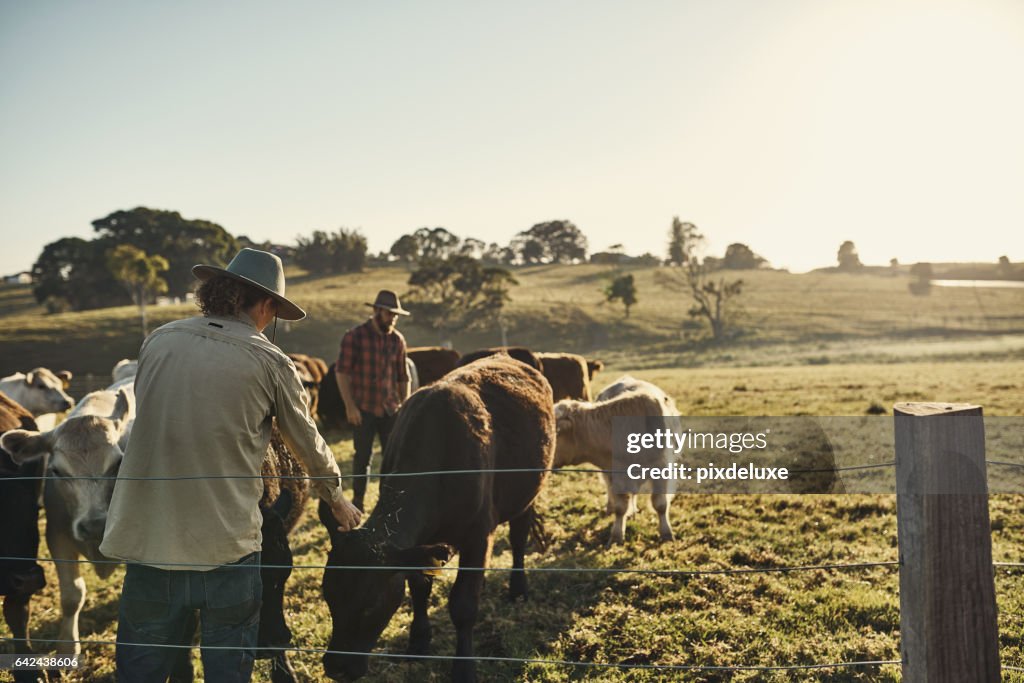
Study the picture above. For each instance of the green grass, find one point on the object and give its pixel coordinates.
(818, 344)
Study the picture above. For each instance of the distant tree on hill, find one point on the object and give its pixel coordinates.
(183, 242)
(679, 238)
(325, 253)
(73, 273)
(406, 249)
(623, 289)
(713, 299)
(458, 292)
(557, 241)
(848, 259)
(920, 279)
(1005, 268)
(739, 256)
(140, 274)
(426, 243)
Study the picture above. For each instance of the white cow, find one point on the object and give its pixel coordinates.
(39, 391)
(585, 436)
(89, 443)
(124, 369)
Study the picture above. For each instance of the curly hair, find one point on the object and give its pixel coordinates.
(226, 296)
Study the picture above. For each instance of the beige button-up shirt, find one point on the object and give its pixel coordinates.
(206, 391)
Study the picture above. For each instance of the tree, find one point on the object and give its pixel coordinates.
(140, 274)
(679, 238)
(72, 273)
(325, 253)
(622, 288)
(558, 241)
(848, 259)
(713, 299)
(1005, 268)
(739, 256)
(406, 249)
(458, 292)
(921, 279)
(183, 242)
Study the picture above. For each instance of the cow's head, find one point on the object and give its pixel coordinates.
(362, 601)
(567, 451)
(41, 391)
(84, 455)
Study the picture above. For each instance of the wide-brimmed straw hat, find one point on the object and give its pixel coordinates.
(261, 270)
(388, 300)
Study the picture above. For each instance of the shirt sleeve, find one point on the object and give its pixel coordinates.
(301, 435)
(347, 354)
(401, 372)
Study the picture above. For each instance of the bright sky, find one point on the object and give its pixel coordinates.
(789, 125)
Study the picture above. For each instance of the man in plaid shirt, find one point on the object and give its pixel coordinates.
(373, 381)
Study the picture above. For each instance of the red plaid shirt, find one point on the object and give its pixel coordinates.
(376, 364)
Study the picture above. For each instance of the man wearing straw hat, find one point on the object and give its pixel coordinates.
(184, 513)
(373, 382)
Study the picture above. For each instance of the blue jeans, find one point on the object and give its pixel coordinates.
(362, 438)
(158, 608)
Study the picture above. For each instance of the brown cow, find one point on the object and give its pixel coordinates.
(496, 414)
(520, 353)
(568, 374)
(312, 370)
(432, 362)
(19, 533)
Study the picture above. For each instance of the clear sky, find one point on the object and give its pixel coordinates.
(789, 125)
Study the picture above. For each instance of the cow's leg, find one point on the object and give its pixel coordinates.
(72, 591)
(518, 535)
(420, 586)
(463, 604)
(621, 503)
(661, 501)
(16, 613)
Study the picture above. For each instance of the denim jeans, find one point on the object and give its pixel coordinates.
(362, 439)
(158, 607)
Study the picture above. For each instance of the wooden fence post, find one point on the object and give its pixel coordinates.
(948, 627)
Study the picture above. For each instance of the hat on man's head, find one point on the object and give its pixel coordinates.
(259, 269)
(388, 300)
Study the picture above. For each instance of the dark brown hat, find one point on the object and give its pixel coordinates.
(388, 300)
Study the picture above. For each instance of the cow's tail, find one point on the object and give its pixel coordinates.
(538, 534)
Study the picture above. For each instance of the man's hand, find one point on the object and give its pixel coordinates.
(355, 418)
(346, 514)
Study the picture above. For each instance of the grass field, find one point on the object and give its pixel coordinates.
(814, 344)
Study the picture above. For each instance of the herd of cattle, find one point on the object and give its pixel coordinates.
(484, 412)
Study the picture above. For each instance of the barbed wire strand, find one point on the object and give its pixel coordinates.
(387, 475)
(486, 658)
(552, 570)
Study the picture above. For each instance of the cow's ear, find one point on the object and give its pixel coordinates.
(25, 446)
(29, 378)
(65, 378)
(563, 424)
(323, 511)
(121, 408)
(432, 556)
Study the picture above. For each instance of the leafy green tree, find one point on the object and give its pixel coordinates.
(183, 242)
(458, 292)
(140, 274)
(739, 256)
(679, 237)
(557, 241)
(406, 249)
(623, 289)
(325, 253)
(848, 259)
(72, 273)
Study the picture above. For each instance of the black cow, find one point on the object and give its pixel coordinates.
(493, 415)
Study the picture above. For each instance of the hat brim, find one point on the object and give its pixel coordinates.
(286, 310)
(399, 311)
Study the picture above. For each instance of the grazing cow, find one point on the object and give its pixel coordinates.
(568, 375)
(520, 353)
(432, 362)
(492, 415)
(19, 534)
(39, 391)
(89, 443)
(585, 436)
(331, 409)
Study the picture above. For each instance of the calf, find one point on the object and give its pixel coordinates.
(39, 391)
(492, 415)
(568, 375)
(83, 456)
(585, 436)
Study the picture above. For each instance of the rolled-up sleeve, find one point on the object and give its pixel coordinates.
(301, 436)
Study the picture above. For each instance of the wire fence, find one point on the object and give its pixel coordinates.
(687, 573)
